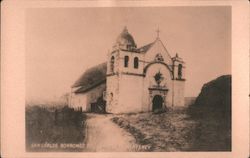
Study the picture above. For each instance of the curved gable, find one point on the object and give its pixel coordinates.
(161, 63)
(155, 68)
(157, 48)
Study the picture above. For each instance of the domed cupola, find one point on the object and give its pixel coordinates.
(125, 41)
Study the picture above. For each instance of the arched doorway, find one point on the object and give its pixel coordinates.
(157, 103)
(99, 106)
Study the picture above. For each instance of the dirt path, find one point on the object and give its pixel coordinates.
(104, 135)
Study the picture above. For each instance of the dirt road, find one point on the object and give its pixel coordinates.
(103, 135)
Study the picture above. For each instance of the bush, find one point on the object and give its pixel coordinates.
(214, 99)
(212, 110)
(62, 125)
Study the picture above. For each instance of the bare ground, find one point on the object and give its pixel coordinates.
(174, 130)
(105, 136)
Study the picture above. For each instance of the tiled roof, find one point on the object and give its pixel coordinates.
(145, 48)
(91, 78)
(86, 88)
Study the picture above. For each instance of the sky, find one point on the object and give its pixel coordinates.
(61, 43)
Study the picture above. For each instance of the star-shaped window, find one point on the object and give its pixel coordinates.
(158, 77)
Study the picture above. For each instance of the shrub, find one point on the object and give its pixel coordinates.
(63, 125)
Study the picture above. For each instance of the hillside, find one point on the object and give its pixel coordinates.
(215, 97)
(212, 110)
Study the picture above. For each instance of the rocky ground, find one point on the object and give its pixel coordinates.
(170, 131)
(176, 131)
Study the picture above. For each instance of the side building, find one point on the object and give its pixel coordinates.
(89, 89)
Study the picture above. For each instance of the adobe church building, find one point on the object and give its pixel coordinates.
(132, 80)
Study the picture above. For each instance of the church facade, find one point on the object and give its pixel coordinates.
(132, 80)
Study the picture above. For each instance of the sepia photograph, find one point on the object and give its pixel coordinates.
(128, 79)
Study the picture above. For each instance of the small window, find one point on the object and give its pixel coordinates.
(179, 71)
(136, 62)
(112, 62)
(111, 96)
(126, 59)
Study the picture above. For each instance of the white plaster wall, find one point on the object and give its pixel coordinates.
(130, 67)
(79, 100)
(112, 101)
(124, 86)
(131, 92)
(179, 89)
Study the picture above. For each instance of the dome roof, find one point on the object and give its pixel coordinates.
(125, 40)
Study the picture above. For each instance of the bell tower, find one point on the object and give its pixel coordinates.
(178, 67)
(178, 80)
(124, 70)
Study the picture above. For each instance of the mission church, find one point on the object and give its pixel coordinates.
(134, 79)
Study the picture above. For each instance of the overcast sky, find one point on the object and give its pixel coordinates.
(62, 43)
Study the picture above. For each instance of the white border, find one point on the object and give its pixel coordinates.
(13, 77)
